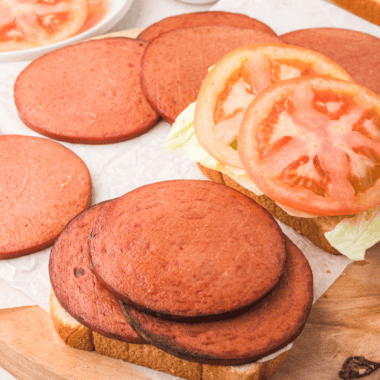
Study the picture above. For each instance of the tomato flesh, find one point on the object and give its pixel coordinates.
(319, 181)
(282, 69)
(320, 147)
(31, 23)
(242, 75)
(238, 80)
(242, 87)
(51, 23)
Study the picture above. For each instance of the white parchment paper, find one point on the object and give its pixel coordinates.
(118, 168)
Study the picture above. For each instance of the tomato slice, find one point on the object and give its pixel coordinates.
(313, 144)
(26, 24)
(235, 81)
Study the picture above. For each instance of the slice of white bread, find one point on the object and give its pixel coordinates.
(367, 9)
(312, 228)
(76, 335)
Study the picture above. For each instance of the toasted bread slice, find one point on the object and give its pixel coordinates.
(74, 334)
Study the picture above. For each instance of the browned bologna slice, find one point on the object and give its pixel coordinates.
(189, 20)
(77, 289)
(175, 63)
(358, 53)
(87, 93)
(43, 186)
(270, 325)
(187, 249)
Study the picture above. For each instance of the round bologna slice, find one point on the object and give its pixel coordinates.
(358, 53)
(86, 93)
(77, 289)
(313, 144)
(268, 326)
(175, 63)
(187, 249)
(43, 186)
(29, 24)
(235, 81)
(189, 20)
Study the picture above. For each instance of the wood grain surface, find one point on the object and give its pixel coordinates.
(342, 337)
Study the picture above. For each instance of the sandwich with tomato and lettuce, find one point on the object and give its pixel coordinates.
(290, 128)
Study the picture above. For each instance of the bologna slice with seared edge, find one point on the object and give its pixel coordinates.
(358, 53)
(175, 63)
(77, 289)
(187, 249)
(268, 326)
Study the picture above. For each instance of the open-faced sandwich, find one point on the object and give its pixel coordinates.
(208, 285)
(289, 127)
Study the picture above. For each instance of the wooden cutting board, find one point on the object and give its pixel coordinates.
(344, 324)
(342, 335)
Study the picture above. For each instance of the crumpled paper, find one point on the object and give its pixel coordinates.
(118, 168)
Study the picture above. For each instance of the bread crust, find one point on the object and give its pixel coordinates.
(77, 336)
(312, 228)
(73, 333)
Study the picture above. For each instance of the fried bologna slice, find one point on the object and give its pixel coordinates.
(269, 325)
(189, 20)
(87, 93)
(77, 289)
(175, 63)
(358, 53)
(43, 186)
(235, 81)
(312, 144)
(187, 249)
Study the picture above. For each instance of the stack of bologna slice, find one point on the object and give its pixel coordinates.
(193, 268)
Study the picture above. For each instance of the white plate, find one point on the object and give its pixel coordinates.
(116, 10)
